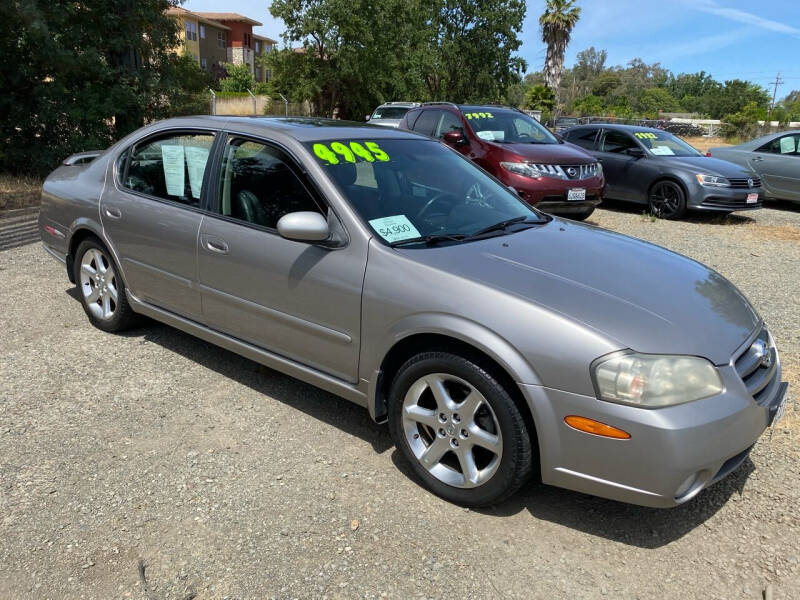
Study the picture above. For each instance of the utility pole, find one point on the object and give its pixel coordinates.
(778, 81)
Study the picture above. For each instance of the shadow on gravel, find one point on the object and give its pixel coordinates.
(346, 416)
(625, 523)
(784, 205)
(692, 216)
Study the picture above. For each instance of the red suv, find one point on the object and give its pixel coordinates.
(546, 172)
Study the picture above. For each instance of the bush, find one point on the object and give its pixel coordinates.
(239, 79)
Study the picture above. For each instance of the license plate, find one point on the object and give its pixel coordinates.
(752, 198)
(577, 194)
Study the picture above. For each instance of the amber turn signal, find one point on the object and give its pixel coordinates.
(595, 427)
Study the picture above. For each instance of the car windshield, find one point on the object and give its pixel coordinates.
(567, 121)
(507, 126)
(408, 189)
(390, 112)
(662, 143)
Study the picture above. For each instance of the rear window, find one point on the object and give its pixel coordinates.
(390, 112)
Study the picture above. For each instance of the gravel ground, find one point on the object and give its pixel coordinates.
(152, 465)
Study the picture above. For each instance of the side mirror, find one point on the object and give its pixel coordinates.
(559, 137)
(635, 152)
(454, 138)
(367, 117)
(304, 226)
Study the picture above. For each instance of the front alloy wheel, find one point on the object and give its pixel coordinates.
(459, 428)
(667, 200)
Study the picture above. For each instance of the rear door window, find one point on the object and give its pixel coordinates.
(427, 122)
(171, 167)
(616, 142)
(582, 137)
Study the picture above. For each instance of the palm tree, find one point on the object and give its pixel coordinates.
(557, 22)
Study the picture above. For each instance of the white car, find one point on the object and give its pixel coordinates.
(389, 114)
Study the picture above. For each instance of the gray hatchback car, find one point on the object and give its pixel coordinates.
(384, 267)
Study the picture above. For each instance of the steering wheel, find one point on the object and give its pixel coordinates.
(423, 211)
(523, 136)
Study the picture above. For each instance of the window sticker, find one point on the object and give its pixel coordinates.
(394, 229)
(491, 136)
(645, 135)
(479, 115)
(334, 153)
(196, 159)
(174, 175)
(787, 144)
(662, 151)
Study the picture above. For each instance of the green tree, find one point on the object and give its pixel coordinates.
(557, 22)
(78, 75)
(539, 97)
(239, 79)
(589, 106)
(734, 95)
(187, 86)
(654, 100)
(744, 123)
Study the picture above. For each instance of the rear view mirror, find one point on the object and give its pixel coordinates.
(304, 226)
(454, 138)
(635, 152)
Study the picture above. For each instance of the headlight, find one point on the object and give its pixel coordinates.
(535, 171)
(654, 380)
(712, 180)
(598, 169)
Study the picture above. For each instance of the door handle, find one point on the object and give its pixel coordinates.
(114, 213)
(757, 159)
(217, 246)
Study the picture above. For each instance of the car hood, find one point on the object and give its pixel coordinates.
(555, 154)
(706, 164)
(385, 122)
(638, 295)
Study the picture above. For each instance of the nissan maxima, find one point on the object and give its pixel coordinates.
(499, 343)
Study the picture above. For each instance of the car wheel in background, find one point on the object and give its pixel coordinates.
(581, 216)
(667, 200)
(463, 434)
(102, 291)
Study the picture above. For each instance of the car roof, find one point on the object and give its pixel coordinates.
(303, 129)
(400, 104)
(619, 127)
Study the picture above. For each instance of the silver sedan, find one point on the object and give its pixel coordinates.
(498, 343)
(776, 159)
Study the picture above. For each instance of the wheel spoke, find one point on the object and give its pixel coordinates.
(421, 415)
(431, 456)
(470, 405)
(88, 270)
(99, 262)
(484, 439)
(112, 291)
(107, 306)
(468, 467)
(93, 295)
(443, 399)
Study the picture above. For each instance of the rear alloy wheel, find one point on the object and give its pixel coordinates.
(101, 288)
(460, 430)
(667, 200)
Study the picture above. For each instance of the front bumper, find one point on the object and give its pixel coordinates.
(550, 195)
(707, 439)
(724, 199)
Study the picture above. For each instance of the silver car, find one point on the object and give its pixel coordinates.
(499, 343)
(390, 114)
(776, 159)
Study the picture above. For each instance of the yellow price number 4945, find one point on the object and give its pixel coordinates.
(335, 152)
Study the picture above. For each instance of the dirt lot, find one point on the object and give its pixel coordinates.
(228, 480)
(704, 143)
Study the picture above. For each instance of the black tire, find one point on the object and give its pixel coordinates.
(581, 216)
(666, 200)
(122, 317)
(515, 465)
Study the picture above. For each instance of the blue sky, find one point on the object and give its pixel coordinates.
(727, 38)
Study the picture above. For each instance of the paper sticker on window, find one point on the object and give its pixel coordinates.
(787, 144)
(174, 176)
(394, 229)
(662, 151)
(196, 159)
(491, 136)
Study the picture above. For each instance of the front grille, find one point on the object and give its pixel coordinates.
(730, 203)
(758, 368)
(745, 182)
(571, 172)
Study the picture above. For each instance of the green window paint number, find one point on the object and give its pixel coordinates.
(335, 152)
